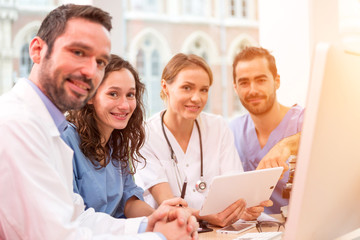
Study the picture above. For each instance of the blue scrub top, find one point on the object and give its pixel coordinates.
(250, 152)
(107, 189)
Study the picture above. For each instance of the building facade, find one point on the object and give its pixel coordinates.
(19, 22)
(147, 33)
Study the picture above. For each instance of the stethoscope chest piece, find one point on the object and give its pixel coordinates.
(200, 185)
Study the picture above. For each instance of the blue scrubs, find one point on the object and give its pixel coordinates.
(107, 189)
(250, 152)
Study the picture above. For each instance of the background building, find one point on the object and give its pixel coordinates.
(150, 32)
(147, 33)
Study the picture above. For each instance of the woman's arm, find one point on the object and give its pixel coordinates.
(135, 207)
(161, 192)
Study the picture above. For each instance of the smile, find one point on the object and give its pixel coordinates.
(79, 87)
(79, 84)
(120, 116)
(192, 108)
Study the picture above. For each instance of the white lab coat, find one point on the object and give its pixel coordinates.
(36, 197)
(219, 155)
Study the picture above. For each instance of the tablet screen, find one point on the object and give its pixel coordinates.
(252, 186)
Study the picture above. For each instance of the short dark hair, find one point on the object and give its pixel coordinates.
(249, 53)
(55, 22)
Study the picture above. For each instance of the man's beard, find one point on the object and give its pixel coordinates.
(54, 89)
(259, 110)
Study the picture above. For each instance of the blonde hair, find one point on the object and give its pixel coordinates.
(179, 62)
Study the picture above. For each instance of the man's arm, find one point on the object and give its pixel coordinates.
(278, 155)
(36, 190)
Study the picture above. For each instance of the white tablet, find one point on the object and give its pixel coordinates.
(252, 186)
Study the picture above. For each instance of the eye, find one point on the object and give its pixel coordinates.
(101, 63)
(78, 53)
(187, 88)
(131, 95)
(243, 83)
(113, 94)
(205, 90)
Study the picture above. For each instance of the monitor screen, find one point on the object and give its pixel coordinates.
(325, 198)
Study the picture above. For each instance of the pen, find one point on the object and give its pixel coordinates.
(183, 190)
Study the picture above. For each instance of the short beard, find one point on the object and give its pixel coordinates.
(55, 90)
(260, 110)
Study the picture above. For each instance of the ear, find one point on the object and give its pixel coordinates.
(277, 81)
(164, 87)
(37, 49)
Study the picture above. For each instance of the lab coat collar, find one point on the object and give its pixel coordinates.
(24, 91)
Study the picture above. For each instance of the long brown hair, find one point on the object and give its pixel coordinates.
(125, 143)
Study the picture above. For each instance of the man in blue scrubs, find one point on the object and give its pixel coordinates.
(269, 133)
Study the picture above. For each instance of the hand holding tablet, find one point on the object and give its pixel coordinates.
(252, 186)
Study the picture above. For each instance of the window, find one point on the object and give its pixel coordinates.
(140, 62)
(238, 8)
(38, 3)
(148, 64)
(25, 61)
(199, 47)
(244, 9)
(155, 63)
(232, 8)
(152, 6)
(194, 8)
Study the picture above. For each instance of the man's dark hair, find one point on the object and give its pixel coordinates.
(249, 53)
(55, 22)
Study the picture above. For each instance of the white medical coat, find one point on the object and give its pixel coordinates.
(36, 197)
(219, 156)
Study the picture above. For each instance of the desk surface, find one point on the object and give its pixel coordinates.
(216, 235)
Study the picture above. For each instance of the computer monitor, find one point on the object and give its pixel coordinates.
(325, 198)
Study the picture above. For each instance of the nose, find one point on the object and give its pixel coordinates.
(253, 87)
(196, 97)
(123, 103)
(90, 68)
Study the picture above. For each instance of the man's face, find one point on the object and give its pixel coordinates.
(255, 85)
(70, 75)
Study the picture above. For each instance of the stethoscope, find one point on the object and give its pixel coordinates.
(201, 184)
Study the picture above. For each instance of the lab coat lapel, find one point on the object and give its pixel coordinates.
(60, 150)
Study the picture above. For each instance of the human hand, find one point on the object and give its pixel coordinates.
(276, 157)
(230, 215)
(172, 230)
(175, 202)
(279, 154)
(169, 211)
(183, 215)
(252, 213)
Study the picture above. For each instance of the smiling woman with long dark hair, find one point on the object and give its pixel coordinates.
(106, 135)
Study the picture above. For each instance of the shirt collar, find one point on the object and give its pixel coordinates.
(55, 113)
